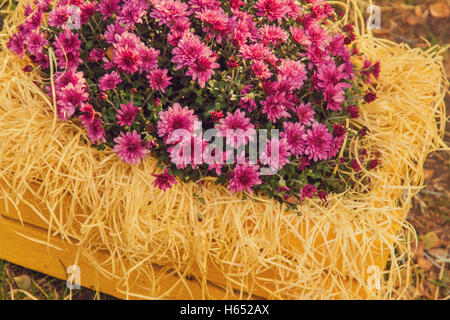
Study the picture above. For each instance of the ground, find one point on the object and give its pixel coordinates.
(410, 21)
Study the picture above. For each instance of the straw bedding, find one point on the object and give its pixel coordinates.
(99, 203)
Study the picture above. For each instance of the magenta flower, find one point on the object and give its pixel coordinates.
(35, 41)
(293, 133)
(305, 113)
(73, 95)
(164, 180)
(308, 191)
(58, 16)
(130, 148)
(236, 128)
(175, 118)
(158, 79)
(299, 36)
(149, 58)
(274, 108)
(292, 72)
(318, 142)
(272, 9)
(276, 154)
(127, 60)
(126, 114)
(202, 69)
(261, 70)
(95, 131)
(168, 11)
(16, 44)
(244, 178)
(108, 7)
(274, 35)
(109, 81)
(96, 55)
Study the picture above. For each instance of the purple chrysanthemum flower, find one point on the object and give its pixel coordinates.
(318, 142)
(175, 118)
(126, 114)
(244, 178)
(164, 180)
(109, 81)
(130, 147)
(293, 132)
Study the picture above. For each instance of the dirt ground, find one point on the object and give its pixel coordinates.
(414, 22)
(417, 22)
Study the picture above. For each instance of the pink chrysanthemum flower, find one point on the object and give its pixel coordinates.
(58, 16)
(318, 142)
(130, 147)
(202, 69)
(292, 72)
(255, 52)
(272, 35)
(87, 11)
(67, 42)
(130, 40)
(35, 41)
(127, 60)
(73, 95)
(261, 69)
(96, 55)
(132, 11)
(199, 5)
(236, 128)
(328, 74)
(308, 191)
(88, 114)
(112, 30)
(188, 151)
(158, 79)
(274, 108)
(126, 114)
(244, 178)
(95, 131)
(276, 154)
(164, 180)
(334, 96)
(305, 113)
(109, 81)
(167, 11)
(215, 17)
(16, 44)
(189, 48)
(293, 133)
(247, 103)
(149, 58)
(175, 118)
(108, 7)
(272, 9)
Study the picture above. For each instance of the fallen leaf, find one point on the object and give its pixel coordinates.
(430, 240)
(419, 249)
(109, 52)
(413, 20)
(23, 282)
(381, 32)
(424, 264)
(438, 253)
(440, 10)
(418, 11)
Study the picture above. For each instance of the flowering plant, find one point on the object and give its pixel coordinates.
(165, 77)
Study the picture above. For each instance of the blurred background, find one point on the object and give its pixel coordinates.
(418, 23)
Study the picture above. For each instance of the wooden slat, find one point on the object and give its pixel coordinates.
(15, 248)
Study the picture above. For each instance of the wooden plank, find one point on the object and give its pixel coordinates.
(30, 254)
